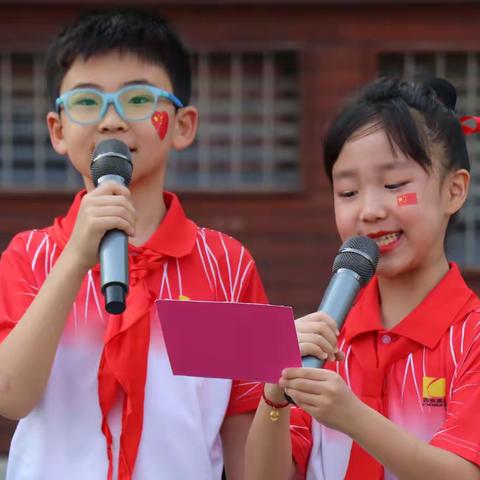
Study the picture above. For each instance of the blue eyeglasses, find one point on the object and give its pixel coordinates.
(133, 103)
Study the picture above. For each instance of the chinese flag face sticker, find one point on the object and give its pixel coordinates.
(407, 199)
(160, 123)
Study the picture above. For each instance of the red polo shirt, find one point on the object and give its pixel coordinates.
(424, 374)
(100, 369)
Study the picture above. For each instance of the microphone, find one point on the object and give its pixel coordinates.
(112, 162)
(353, 267)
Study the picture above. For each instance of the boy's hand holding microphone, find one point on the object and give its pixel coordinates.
(105, 221)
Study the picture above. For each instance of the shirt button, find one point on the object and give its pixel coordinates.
(386, 339)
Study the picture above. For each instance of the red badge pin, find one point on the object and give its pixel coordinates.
(160, 122)
(407, 199)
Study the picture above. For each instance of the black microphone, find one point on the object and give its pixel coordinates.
(354, 265)
(112, 162)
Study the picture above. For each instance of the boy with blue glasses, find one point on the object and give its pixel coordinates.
(95, 391)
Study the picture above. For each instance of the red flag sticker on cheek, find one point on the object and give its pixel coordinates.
(160, 122)
(407, 199)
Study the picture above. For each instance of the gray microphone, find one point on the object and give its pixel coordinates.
(354, 265)
(112, 162)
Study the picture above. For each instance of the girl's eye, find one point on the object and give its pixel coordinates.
(346, 194)
(393, 186)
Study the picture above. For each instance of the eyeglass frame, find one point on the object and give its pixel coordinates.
(113, 99)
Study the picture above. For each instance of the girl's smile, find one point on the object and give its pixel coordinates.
(386, 241)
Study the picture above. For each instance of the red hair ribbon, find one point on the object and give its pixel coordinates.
(467, 130)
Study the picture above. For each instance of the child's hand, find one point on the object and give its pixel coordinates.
(324, 395)
(107, 207)
(317, 336)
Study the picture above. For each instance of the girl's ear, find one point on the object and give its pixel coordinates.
(55, 129)
(185, 128)
(457, 185)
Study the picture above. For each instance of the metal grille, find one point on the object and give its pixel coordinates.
(26, 157)
(463, 70)
(247, 139)
(248, 133)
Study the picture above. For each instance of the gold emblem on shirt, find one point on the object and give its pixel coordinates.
(434, 389)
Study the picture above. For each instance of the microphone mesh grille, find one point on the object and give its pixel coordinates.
(111, 157)
(359, 254)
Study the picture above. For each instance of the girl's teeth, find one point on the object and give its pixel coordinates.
(386, 239)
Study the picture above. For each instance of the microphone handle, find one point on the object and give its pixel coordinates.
(114, 270)
(336, 302)
(113, 253)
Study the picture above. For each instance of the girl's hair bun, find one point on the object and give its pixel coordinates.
(444, 90)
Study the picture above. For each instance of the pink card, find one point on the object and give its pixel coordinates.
(243, 341)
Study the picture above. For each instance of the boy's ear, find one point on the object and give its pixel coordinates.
(458, 184)
(185, 129)
(55, 129)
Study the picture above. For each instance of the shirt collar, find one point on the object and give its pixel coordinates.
(174, 237)
(427, 323)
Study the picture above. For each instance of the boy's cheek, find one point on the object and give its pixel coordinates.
(160, 121)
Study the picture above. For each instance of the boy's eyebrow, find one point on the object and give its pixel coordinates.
(141, 81)
(86, 85)
(137, 81)
(351, 173)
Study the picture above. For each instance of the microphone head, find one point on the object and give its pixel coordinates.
(359, 254)
(111, 157)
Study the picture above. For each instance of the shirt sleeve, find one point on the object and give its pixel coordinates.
(301, 438)
(460, 433)
(17, 285)
(245, 396)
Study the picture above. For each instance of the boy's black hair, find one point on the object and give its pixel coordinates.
(138, 32)
(412, 117)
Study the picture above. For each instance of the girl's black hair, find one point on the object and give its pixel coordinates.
(413, 118)
(140, 32)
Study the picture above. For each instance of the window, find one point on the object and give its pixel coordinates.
(247, 139)
(26, 157)
(248, 133)
(463, 70)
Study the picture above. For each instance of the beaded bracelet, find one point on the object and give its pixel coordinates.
(274, 413)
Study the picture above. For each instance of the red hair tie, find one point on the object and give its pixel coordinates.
(467, 130)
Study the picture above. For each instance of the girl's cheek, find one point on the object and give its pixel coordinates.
(160, 122)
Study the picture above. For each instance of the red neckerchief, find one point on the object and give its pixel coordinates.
(450, 300)
(123, 365)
